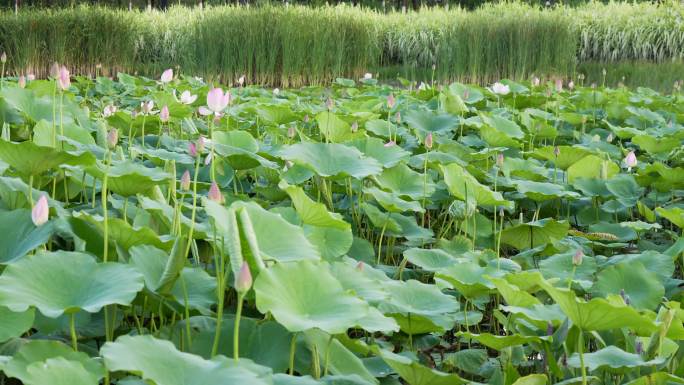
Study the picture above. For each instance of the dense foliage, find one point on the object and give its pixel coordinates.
(294, 46)
(357, 234)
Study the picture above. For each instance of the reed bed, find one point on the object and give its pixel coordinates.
(296, 45)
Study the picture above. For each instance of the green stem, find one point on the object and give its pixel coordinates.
(72, 329)
(194, 205)
(580, 346)
(236, 329)
(293, 347)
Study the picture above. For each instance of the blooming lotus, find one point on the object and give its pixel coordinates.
(217, 101)
(40, 212)
(276, 91)
(187, 98)
(63, 79)
(571, 85)
(109, 110)
(367, 76)
(146, 107)
(167, 76)
(500, 89)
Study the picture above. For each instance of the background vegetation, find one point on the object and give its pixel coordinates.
(296, 45)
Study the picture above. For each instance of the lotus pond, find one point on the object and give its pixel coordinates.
(168, 232)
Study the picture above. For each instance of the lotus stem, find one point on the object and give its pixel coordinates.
(194, 205)
(236, 329)
(580, 347)
(293, 348)
(72, 329)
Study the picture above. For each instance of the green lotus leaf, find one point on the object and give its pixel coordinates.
(128, 178)
(65, 282)
(375, 148)
(392, 202)
(341, 361)
(540, 191)
(314, 299)
(567, 155)
(430, 259)
(311, 212)
(653, 261)
(469, 278)
(512, 294)
(613, 359)
(403, 181)
(654, 145)
(122, 233)
(382, 128)
(159, 361)
(59, 371)
(427, 121)
(415, 297)
(39, 351)
(560, 266)
(532, 379)
(591, 166)
(464, 186)
(31, 159)
(625, 189)
(416, 374)
(331, 159)
(500, 342)
(657, 378)
(642, 287)
(451, 102)
(333, 128)
(507, 127)
(533, 234)
(598, 314)
(14, 324)
(331, 242)
(673, 214)
(276, 114)
(361, 280)
(18, 227)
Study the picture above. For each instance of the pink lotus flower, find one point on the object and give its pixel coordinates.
(187, 98)
(146, 107)
(22, 82)
(164, 114)
(217, 101)
(243, 280)
(64, 80)
(30, 77)
(428, 140)
(214, 193)
(631, 160)
(185, 181)
(241, 80)
(500, 89)
(109, 111)
(167, 76)
(40, 212)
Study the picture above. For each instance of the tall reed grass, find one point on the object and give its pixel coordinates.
(295, 45)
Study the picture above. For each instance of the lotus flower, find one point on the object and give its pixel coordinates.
(64, 80)
(192, 149)
(187, 98)
(3, 58)
(276, 91)
(631, 160)
(243, 280)
(109, 110)
(185, 181)
(391, 101)
(164, 114)
(428, 140)
(217, 101)
(367, 76)
(500, 89)
(536, 81)
(112, 138)
(355, 127)
(577, 258)
(30, 77)
(241, 80)
(146, 107)
(571, 85)
(609, 138)
(500, 159)
(22, 81)
(559, 85)
(200, 144)
(40, 212)
(214, 193)
(167, 75)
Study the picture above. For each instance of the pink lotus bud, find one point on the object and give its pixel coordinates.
(164, 114)
(215, 194)
(40, 212)
(559, 85)
(329, 104)
(397, 117)
(243, 280)
(208, 159)
(556, 151)
(64, 80)
(360, 266)
(22, 81)
(30, 77)
(185, 181)
(291, 132)
(306, 119)
(466, 94)
(428, 140)
(631, 159)
(391, 101)
(354, 127)
(167, 75)
(192, 149)
(577, 258)
(200, 144)
(500, 159)
(112, 138)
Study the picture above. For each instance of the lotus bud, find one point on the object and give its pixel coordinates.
(604, 170)
(368, 76)
(276, 91)
(214, 193)
(428, 141)
(3, 58)
(185, 181)
(397, 117)
(241, 80)
(536, 81)
(291, 132)
(243, 280)
(391, 101)
(571, 85)
(434, 66)
(134, 114)
(30, 77)
(167, 75)
(329, 104)
(559, 85)
(549, 329)
(577, 258)
(64, 79)
(41, 211)
(200, 144)
(208, 159)
(500, 159)
(639, 348)
(466, 94)
(604, 72)
(556, 151)
(355, 127)
(360, 266)
(501, 211)
(596, 138)
(306, 119)
(112, 138)
(164, 114)
(609, 138)
(192, 149)
(631, 160)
